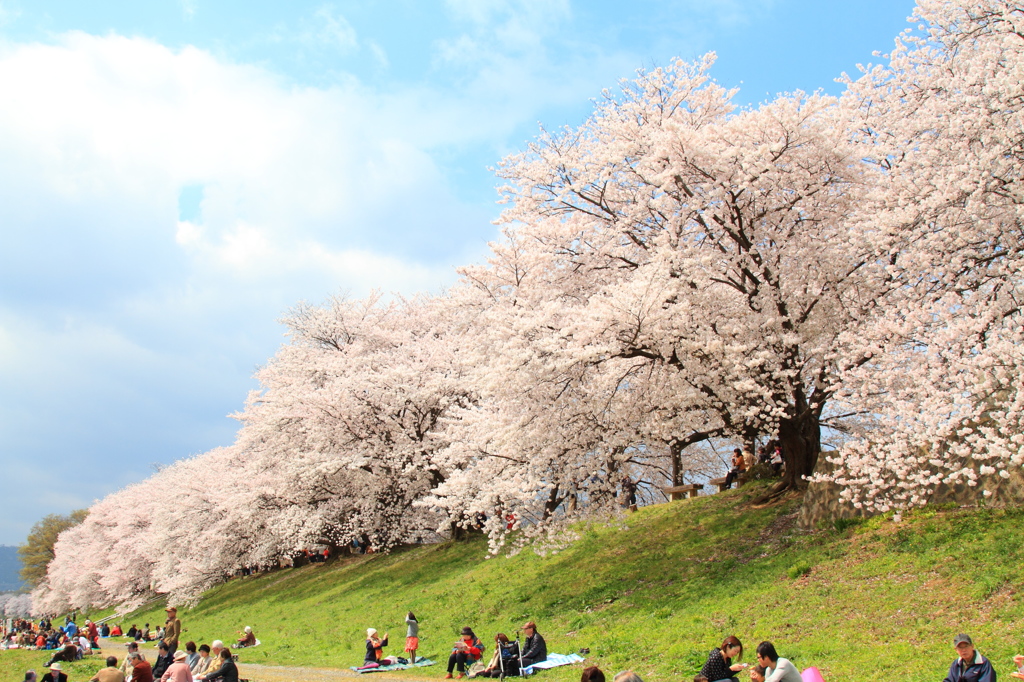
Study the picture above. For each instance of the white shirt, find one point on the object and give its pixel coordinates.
(784, 672)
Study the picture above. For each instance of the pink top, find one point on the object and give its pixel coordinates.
(177, 672)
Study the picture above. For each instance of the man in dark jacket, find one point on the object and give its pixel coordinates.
(535, 649)
(969, 666)
(163, 661)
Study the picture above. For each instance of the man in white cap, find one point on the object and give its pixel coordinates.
(178, 671)
(55, 675)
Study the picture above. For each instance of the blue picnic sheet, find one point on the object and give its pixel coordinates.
(397, 666)
(553, 661)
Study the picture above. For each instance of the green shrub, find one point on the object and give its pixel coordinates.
(842, 525)
(797, 570)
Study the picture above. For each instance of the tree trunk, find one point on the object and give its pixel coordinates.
(675, 449)
(801, 444)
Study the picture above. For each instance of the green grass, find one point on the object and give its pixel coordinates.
(654, 592)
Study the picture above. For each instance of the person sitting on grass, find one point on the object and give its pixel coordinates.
(374, 648)
(757, 673)
(84, 645)
(163, 660)
(178, 671)
(468, 649)
(142, 671)
(505, 661)
(969, 665)
(191, 656)
(202, 662)
(535, 649)
(30, 676)
(55, 674)
(127, 667)
(68, 654)
(777, 669)
(226, 669)
(719, 665)
(116, 631)
(109, 674)
(248, 638)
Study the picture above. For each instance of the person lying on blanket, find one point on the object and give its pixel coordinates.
(505, 661)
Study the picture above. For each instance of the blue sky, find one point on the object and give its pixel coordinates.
(176, 174)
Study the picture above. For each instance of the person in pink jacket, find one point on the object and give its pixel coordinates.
(178, 671)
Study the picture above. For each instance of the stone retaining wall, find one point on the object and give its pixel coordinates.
(821, 505)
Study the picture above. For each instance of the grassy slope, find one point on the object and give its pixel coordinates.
(655, 592)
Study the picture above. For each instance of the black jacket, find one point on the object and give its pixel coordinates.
(227, 672)
(535, 649)
(161, 665)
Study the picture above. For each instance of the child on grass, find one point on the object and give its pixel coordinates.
(412, 636)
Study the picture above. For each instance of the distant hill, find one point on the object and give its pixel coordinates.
(10, 566)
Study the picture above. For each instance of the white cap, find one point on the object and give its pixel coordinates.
(370, 632)
(248, 629)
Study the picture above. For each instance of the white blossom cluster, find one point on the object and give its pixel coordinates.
(672, 274)
(15, 605)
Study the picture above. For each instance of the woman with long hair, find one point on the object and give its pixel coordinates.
(719, 665)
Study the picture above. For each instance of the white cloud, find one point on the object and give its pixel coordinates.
(334, 29)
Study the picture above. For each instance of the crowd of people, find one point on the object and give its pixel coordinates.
(194, 663)
(467, 652)
(511, 658)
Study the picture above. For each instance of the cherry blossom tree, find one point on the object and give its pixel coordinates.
(675, 236)
(941, 120)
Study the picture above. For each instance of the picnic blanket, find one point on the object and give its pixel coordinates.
(554, 661)
(396, 666)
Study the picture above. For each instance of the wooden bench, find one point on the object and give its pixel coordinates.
(680, 492)
(720, 482)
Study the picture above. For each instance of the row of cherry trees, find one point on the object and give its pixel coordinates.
(675, 273)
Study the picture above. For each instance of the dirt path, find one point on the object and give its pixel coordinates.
(278, 673)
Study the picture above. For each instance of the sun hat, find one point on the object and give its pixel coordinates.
(370, 632)
(55, 666)
(180, 655)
